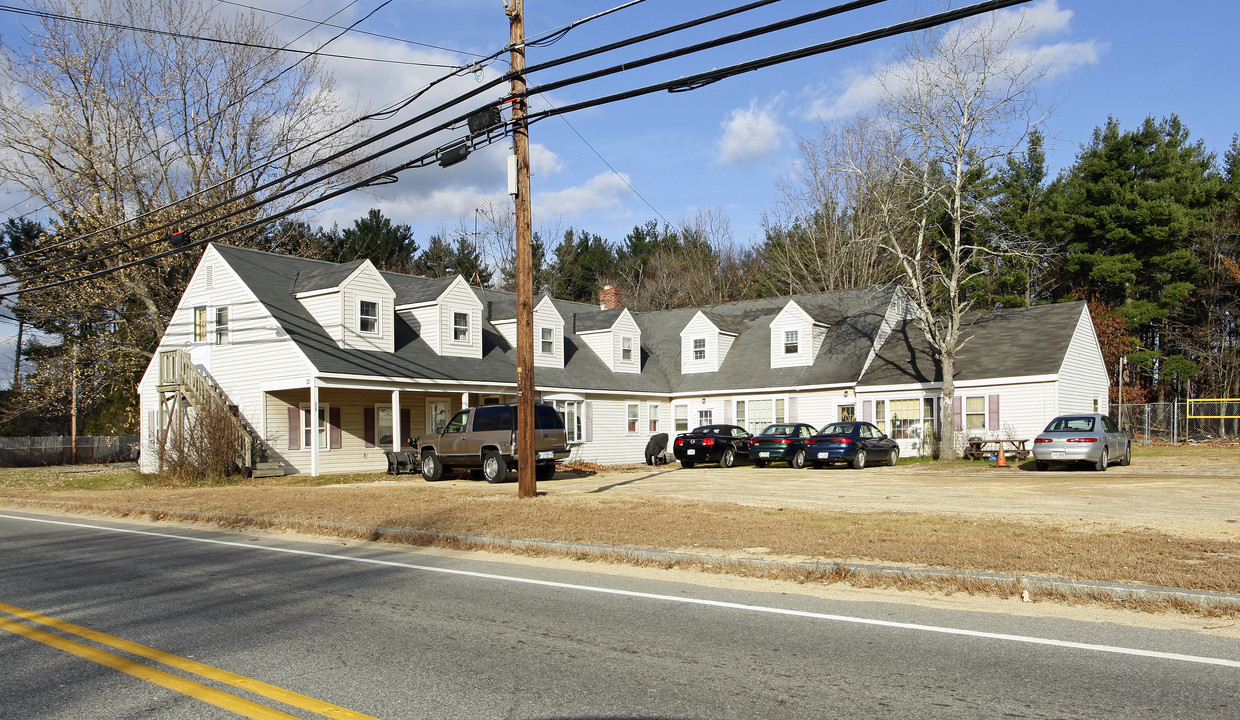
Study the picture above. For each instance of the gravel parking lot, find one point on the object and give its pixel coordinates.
(1180, 496)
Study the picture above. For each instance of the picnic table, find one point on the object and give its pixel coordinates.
(976, 449)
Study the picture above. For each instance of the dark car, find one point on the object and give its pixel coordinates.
(853, 442)
(1088, 438)
(711, 443)
(781, 441)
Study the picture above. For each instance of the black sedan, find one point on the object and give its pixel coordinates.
(781, 441)
(854, 442)
(711, 443)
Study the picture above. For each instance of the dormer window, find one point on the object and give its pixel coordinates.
(460, 327)
(626, 349)
(368, 317)
(548, 340)
(791, 344)
(699, 349)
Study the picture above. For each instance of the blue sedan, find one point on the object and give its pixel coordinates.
(855, 443)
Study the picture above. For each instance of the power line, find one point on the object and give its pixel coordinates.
(680, 84)
(44, 15)
(354, 30)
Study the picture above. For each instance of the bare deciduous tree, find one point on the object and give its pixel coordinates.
(960, 99)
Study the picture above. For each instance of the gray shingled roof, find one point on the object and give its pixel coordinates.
(323, 277)
(1015, 342)
(854, 316)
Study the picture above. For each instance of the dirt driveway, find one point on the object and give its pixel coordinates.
(1179, 496)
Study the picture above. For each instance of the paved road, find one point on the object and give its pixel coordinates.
(401, 634)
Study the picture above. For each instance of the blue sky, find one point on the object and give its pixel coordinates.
(724, 147)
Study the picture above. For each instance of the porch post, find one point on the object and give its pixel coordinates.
(464, 400)
(397, 430)
(314, 425)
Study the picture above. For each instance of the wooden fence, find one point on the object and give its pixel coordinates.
(57, 450)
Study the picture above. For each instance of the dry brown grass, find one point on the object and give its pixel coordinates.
(438, 514)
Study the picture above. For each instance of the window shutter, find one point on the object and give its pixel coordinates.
(333, 428)
(867, 410)
(958, 412)
(792, 409)
(294, 428)
(587, 413)
(368, 426)
(406, 425)
(993, 406)
(727, 411)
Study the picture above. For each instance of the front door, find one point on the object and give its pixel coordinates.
(436, 415)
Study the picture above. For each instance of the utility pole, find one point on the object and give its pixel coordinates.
(526, 483)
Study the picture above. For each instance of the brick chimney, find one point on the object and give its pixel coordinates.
(610, 298)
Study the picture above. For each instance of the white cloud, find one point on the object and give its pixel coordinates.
(600, 191)
(1042, 20)
(749, 135)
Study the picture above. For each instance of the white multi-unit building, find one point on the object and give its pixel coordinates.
(330, 365)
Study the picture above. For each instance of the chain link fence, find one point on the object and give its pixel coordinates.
(58, 450)
(1179, 422)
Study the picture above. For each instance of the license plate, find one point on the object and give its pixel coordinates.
(764, 454)
(546, 454)
(824, 455)
(1057, 454)
(691, 451)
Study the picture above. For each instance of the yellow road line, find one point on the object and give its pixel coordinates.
(232, 703)
(288, 697)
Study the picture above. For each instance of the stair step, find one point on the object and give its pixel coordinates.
(267, 469)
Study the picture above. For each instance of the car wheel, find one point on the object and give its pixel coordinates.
(544, 472)
(686, 463)
(893, 457)
(1102, 461)
(494, 469)
(1126, 458)
(859, 460)
(798, 460)
(759, 463)
(432, 468)
(728, 459)
(1041, 465)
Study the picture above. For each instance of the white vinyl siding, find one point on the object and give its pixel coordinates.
(548, 335)
(459, 300)
(1083, 378)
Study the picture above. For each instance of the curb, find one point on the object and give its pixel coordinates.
(1117, 591)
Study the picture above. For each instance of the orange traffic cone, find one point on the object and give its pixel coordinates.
(1001, 457)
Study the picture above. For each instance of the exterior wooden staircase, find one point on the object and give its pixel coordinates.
(180, 382)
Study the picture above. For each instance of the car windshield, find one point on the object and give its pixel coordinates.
(779, 430)
(1071, 424)
(838, 429)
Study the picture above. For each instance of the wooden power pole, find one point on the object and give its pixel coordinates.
(526, 482)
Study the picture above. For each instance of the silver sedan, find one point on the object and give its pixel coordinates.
(1085, 438)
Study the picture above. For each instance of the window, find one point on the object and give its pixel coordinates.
(309, 429)
(848, 413)
(571, 410)
(631, 417)
(740, 412)
(368, 317)
(880, 415)
(975, 413)
(547, 342)
(460, 327)
(626, 349)
(905, 419)
(699, 349)
(458, 422)
(200, 324)
(779, 410)
(652, 412)
(681, 416)
(221, 326)
(757, 414)
(791, 345)
(705, 417)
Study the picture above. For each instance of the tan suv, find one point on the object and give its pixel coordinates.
(483, 440)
